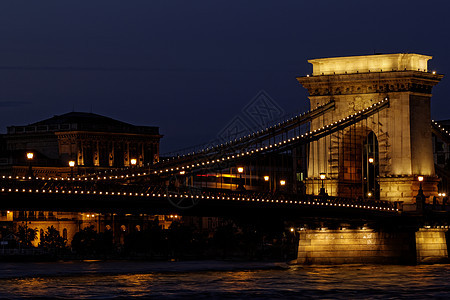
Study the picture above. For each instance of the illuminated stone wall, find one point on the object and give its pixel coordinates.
(403, 129)
(354, 246)
(431, 245)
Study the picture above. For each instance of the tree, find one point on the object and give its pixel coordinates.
(52, 239)
(85, 241)
(26, 235)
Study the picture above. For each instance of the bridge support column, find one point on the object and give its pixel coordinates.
(431, 245)
(349, 246)
(354, 246)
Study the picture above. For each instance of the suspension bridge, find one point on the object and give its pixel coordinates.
(363, 153)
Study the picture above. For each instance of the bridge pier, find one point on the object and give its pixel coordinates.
(431, 245)
(361, 246)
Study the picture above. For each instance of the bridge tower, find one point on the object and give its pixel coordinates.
(382, 156)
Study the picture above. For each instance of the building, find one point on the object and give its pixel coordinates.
(90, 140)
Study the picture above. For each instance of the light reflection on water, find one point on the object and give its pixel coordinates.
(325, 282)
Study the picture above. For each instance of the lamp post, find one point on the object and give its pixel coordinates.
(282, 183)
(266, 179)
(240, 171)
(420, 198)
(420, 179)
(30, 156)
(322, 189)
(71, 165)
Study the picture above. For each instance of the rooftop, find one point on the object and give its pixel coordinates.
(81, 121)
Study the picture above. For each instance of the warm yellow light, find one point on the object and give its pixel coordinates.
(371, 160)
(30, 155)
(282, 182)
(434, 72)
(133, 161)
(322, 176)
(369, 194)
(240, 169)
(444, 194)
(266, 178)
(420, 178)
(71, 163)
(182, 172)
(292, 229)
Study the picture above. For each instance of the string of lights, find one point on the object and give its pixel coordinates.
(331, 201)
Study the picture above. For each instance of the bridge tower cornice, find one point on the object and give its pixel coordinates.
(374, 82)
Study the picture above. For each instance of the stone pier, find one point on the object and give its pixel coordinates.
(361, 246)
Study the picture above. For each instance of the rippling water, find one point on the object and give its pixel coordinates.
(206, 280)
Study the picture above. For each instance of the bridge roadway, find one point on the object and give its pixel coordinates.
(100, 196)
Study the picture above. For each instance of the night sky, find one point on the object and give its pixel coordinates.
(191, 67)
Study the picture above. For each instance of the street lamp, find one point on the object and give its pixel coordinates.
(240, 171)
(282, 182)
(71, 165)
(322, 189)
(420, 179)
(420, 198)
(371, 160)
(266, 179)
(30, 156)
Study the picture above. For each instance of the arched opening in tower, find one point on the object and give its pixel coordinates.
(358, 164)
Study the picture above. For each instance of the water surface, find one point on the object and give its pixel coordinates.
(217, 280)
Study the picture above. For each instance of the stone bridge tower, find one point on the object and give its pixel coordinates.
(383, 155)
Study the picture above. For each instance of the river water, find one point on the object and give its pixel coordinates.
(218, 280)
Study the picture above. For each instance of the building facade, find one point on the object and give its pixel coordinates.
(90, 140)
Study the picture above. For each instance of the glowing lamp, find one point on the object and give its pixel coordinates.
(371, 160)
(71, 163)
(420, 178)
(369, 194)
(282, 182)
(30, 155)
(133, 161)
(240, 169)
(266, 178)
(322, 176)
(292, 229)
(182, 172)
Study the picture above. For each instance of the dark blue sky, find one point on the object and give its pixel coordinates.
(190, 67)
